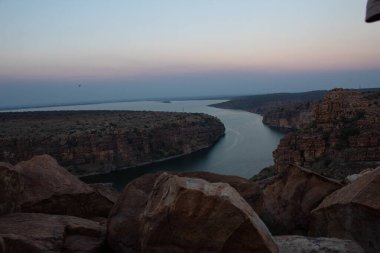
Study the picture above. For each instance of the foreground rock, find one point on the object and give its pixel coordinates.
(91, 142)
(248, 189)
(300, 244)
(185, 215)
(352, 212)
(290, 197)
(35, 233)
(50, 188)
(10, 188)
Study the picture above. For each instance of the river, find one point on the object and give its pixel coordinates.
(244, 150)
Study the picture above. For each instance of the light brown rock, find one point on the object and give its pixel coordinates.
(35, 233)
(50, 188)
(186, 215)
(10, 188)
(352, 212)
(290, 197)
(300, 244)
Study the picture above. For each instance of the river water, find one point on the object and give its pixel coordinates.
(244, 150)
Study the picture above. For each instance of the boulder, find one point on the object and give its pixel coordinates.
(248, 189)
(35, 233)
(291, 196)
(186, 215)
(10, 188)
(353, 212)
(300, 244)
(50, 188)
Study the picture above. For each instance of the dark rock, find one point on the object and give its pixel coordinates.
(291, 196)
(35, 233)
(352, 212)
(10, 188)
(50, 188)
(300, 244)
(181, 214)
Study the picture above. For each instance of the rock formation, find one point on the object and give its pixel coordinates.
(186, 215)
(10, 188)
(36, 233)
(90, 142)
(282, 111)
(50, 188)
(353, 212)
(300, 244)
(344, 138)
(291, 196)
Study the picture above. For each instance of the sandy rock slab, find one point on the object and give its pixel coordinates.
(352, 212)
(35, 233)
(49, 188)
(185, 215)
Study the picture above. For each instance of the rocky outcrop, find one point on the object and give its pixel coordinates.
(343, 140)
(282, 111)
(352, 212)
(300, 244)
(90, 142)
(290, 197)
(291, 116)
(35, 233)
(50, 188)
(181, 214)
(10, 188)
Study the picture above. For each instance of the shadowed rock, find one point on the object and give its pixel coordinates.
(290, 197)
(352, 212)
(186, 215)
(50, 188)
(35, 233)
(300, 244)
(10, 188)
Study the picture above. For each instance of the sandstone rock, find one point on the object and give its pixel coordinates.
(50, 188)
(106, 190)
(10, 188)
(300, 244)
(352, 212)
(351, 178)
(35, 233)
(290, 197)
(248, 189)
(343, 139)
(187, 215)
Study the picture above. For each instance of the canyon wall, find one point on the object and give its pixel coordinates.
(90, 142)
(343, 139)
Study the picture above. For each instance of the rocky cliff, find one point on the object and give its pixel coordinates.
(343, 139)
(90, 142)
(282, 111)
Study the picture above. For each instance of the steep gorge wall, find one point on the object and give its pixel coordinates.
(343, 139)
(98, 141)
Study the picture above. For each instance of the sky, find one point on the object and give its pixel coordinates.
(54, 51)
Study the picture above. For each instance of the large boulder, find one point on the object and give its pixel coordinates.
(185, 215)
(248, 189)
(290, 197)
(50, 188)
(352, 212)
(35, 233)
(10, 188)
(300, 244)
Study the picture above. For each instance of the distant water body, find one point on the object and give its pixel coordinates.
(244, 150)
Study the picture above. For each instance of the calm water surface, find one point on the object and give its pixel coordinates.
(244, 150)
